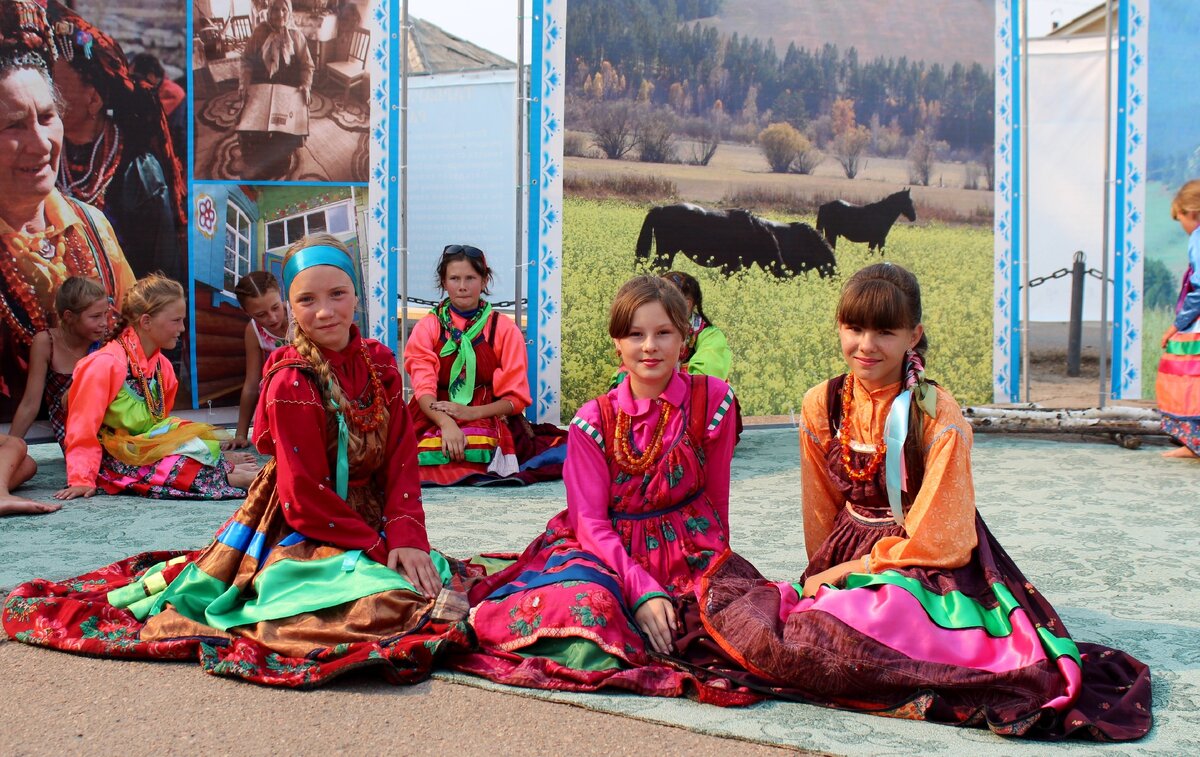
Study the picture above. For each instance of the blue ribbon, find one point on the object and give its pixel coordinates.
(319, 254)
(342, 474)
(895, 433)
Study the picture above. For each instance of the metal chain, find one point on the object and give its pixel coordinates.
(435, 303)
(1060, 273)
(1038, 281)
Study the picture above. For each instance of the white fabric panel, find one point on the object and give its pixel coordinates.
(1066, 170)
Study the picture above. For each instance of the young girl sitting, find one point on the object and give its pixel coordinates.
(470, 385)
(706, 352)
(326, 567)
(612, 580)
(83, 314)
(120, 434)
(909, 607)
(258, 294)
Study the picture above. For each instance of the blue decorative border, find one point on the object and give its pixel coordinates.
(1129, 200)
(544, 227)
(1006, 344)
(383, 225)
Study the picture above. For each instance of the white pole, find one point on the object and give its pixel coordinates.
(1023, 125)
(518, 248)
(404, 29)
(1108, 36)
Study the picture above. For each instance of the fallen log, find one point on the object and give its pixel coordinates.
(1124, 425)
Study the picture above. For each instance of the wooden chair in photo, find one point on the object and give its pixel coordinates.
(237, 33)
(353, 70)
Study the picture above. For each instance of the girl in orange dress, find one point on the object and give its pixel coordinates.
(909, 606)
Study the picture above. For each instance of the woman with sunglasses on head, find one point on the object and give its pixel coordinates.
(470, 385)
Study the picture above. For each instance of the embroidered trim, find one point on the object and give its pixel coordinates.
(588, 429)
(942, 433)
(722, 409)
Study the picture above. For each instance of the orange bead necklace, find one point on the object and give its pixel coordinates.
(628, 459)
(867, 472)
(368, 418)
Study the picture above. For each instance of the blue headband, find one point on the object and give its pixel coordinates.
(321, 254)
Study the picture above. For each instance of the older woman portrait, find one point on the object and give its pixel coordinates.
(45, 236)
(276, 53)
(117, 152)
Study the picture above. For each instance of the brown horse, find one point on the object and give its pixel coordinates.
(864, 223)
(732, 241)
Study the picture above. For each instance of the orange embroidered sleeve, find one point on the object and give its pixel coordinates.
(940, 525)
(97, 380)
(820, 499)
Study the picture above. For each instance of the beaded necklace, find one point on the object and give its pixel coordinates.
(31, 316)
(369, 417)
(627, 457)
(156, 406)
(92, 181)
(867, 472)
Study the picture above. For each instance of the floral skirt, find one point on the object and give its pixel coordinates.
(262, 603)
(976, 645)
(557, 619)
(173, 477)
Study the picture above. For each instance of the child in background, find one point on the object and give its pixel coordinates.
(707, 350)
(83, 310)
(120, 434)
(258, 294)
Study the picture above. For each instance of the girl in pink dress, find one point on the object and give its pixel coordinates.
(606, 595)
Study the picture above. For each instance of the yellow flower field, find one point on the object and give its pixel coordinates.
(781, 332)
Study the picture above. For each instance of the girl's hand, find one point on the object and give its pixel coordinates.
(71, 492)
(416, 565)
(1171, 331)
(831, 576)
(656, 618)
(454, 442)
(237, 442)
(456, 411)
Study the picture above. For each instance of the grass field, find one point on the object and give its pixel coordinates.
(781, 332)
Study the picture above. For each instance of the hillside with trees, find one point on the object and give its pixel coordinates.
(643, 72)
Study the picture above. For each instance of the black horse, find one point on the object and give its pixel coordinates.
(864, 223)
(732, 240)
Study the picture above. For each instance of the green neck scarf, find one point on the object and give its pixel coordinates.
(462, 372)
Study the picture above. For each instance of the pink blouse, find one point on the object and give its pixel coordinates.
(588, 477)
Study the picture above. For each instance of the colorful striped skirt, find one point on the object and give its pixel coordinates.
(1177, 388)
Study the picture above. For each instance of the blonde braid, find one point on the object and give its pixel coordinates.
(331, 391)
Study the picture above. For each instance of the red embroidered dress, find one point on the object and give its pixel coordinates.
(292, 591)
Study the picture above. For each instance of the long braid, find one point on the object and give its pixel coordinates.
(359, 445)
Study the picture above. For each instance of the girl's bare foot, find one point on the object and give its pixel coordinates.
(240, 458)
(243, 475)
(10, 505)
(1181, 453)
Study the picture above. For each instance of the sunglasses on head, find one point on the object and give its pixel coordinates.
(462, 249)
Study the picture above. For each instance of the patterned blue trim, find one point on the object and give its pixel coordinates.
(545, 208)
(1129, 200)
(1006, 348)
(385, 176)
